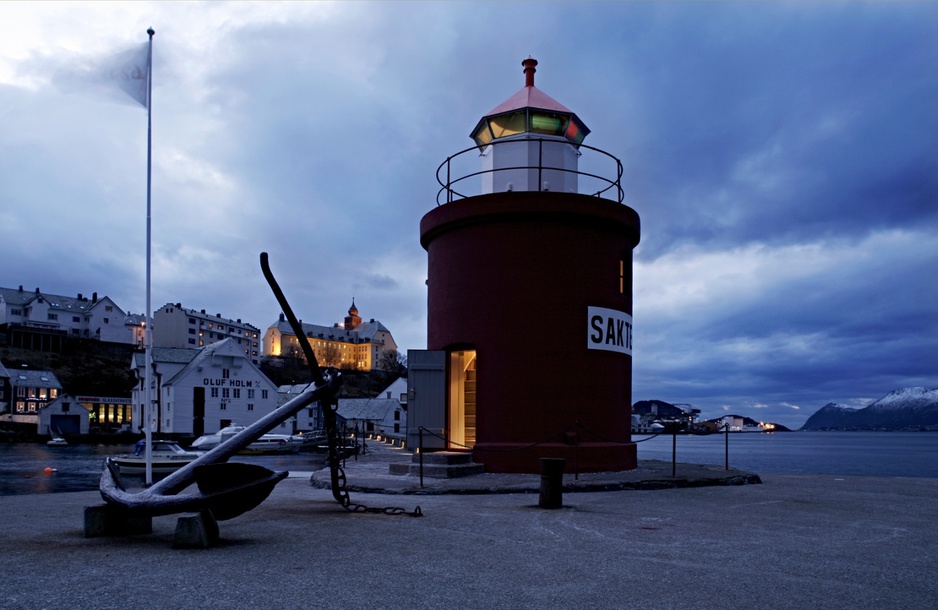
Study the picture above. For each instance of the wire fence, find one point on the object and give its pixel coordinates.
(570, 437)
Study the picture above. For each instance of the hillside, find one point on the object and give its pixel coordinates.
(85, 367)
(903, 409)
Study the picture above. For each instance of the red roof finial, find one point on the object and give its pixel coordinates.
(529, 71)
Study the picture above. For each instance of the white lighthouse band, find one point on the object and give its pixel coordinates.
(609, 329)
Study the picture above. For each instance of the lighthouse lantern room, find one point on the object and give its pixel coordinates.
(537, 142)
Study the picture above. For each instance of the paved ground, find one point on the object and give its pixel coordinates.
(791, 542)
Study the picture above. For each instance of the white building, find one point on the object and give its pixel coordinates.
(380, 416)
(179, 327)
(202, 391)
(79, 316)
(307, 419)
(64, 415)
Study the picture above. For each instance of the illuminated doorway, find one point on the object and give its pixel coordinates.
(462, 398)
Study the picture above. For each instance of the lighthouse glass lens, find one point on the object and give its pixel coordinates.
(550, 124)
(507, 124)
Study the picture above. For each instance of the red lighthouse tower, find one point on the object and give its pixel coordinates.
(529, 324)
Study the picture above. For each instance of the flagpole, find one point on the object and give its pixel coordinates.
(148, 406)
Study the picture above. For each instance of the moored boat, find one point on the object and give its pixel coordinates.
(268, 443)
(57, 441)
(167, 456)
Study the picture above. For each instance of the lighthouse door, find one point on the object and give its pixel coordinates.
(426, 398)
(462, 398)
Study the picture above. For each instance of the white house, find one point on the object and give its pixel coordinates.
(384, 416)
(202, 391)
(79, 316)
(307, 419)
(64, 415)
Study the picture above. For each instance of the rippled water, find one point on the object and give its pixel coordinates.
(23, 466)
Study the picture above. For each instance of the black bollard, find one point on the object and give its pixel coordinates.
(551, 483)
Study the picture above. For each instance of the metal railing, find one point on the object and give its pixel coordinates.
(608, 188)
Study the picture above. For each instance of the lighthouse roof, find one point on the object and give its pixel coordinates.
(529, 111)
(529, 97)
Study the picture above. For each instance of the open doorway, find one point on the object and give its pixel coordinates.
(462, 398)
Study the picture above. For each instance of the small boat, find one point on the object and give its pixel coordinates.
(57, 441)
(268, 443)
(167, 456)
(210, 441)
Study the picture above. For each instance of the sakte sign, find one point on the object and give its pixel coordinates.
(610, 330)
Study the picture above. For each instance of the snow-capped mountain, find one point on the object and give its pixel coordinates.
(905, 408)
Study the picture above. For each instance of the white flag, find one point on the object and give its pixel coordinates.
(129, 72)
(126, 71)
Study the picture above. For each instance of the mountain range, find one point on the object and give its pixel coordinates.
(903, 409)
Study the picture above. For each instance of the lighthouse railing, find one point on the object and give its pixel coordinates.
(455, 181)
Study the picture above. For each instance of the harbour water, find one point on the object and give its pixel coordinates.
(34, 468)
(885, 454)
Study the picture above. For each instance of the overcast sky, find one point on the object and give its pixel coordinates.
(783, 158)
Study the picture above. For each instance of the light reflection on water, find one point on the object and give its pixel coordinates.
(23, 466)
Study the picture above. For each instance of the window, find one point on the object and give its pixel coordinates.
(16, 312)
(76, 319)
(53, 316)
(226, 373)
(65, 407)
(264, 394)
(191, 320)
(237, 392)
(224, 406)
(191, 331)
(250, 407)
(108, 308)
(192, 341)
(621, 276)
(397, 416)
(225, 393)
(250, 394)
(214, 392)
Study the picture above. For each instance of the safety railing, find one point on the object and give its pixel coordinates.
(454, 173)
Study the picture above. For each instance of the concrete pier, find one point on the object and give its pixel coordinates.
(791, 542)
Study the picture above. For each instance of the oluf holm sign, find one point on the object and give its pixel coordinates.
(609, 330)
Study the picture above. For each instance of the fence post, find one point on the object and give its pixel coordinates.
(673, 450)
(726, 443)
(420, 453)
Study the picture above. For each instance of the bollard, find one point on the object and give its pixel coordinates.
(551, 483)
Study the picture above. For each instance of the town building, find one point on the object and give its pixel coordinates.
(308, 418)
(179, 327)
(63, 416)
(377, 416)
(26, 392)
(353, 345)
(543, 248)
(41, 321)
(199, 391)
